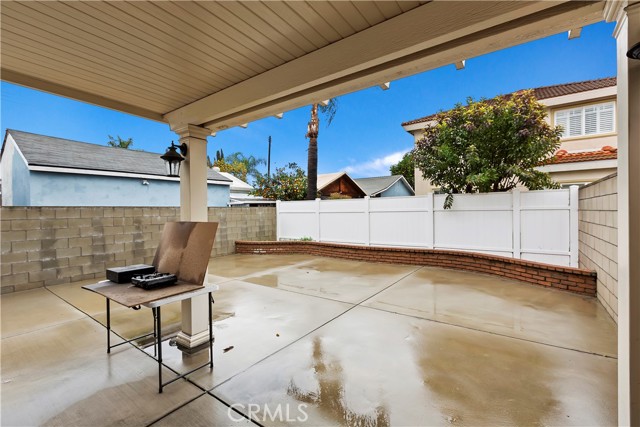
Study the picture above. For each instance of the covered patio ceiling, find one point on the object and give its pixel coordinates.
(223, 64)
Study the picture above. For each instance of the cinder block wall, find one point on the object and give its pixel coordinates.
(44, 246)
(598, 235)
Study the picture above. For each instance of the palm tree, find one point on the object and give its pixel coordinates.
(328, 110)
(120, 143)
(250, 162)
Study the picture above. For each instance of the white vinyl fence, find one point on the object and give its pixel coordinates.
(531, 225)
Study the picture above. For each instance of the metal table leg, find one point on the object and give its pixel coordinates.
(158, 321)
(210, 330)
(157, 335)
(108, 326)
(109, 346)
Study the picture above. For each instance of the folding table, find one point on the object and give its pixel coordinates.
(134, 297)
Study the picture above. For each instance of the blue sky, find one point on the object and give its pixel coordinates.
(365, 136)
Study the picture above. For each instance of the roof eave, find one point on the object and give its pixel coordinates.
(580, 97)
(578, 166)
(94, 172)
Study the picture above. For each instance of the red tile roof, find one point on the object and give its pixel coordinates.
(570, 88)
(550, 92)
(563, 156)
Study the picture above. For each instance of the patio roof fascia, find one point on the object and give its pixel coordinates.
(79, 95)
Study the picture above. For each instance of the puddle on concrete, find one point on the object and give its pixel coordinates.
(328, 397)
(269, 280)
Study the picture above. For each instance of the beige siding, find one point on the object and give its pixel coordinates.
(598, 235)
(422, 185)
(580, 176)
(591, 143)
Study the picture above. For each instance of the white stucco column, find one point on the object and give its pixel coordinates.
(627, 34)
(193, 207)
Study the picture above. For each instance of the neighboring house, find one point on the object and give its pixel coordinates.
(238, 187)
(586, 111)
(339, 183)
(385, 186)
(582, 167)
(40, 170)
(240, 192)
(381, 186)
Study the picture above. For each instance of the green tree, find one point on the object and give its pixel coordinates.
(119, 142)
(236, 168)
(251, 163)
(406, 168)
(313, 128)
(488, 145)
(286, 183)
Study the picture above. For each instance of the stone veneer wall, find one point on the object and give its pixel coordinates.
(598, 236)
(570, 279)
(44, 246)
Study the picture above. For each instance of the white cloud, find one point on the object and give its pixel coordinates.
(376, 167)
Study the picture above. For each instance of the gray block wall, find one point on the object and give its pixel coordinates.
(43, 246)
(598, 236)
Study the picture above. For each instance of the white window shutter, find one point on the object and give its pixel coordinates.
(606, 119)
(575, 122)
(590, 120)
(562, 120)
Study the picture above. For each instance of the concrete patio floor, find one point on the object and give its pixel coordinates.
(320, 342)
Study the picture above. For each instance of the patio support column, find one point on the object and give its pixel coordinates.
(193, 207)
(627, 34)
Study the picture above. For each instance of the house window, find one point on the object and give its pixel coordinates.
(584, 121)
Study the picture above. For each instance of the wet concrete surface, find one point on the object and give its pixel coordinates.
(252, 323)
(371, 367)
(25, 312)
(340, 280)
(320, 342)
(62, 375)
(496, 305)
(204, 411)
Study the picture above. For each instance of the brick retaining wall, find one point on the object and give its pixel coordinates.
(576, 280)
(44, 246)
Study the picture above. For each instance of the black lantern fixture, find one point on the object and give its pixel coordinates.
(634, 52)
(172, 158)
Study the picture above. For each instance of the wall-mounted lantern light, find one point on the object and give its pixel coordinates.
(634, 52)
(172, 158)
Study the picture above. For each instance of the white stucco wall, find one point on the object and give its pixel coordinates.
(15, 176)
(61, 189)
